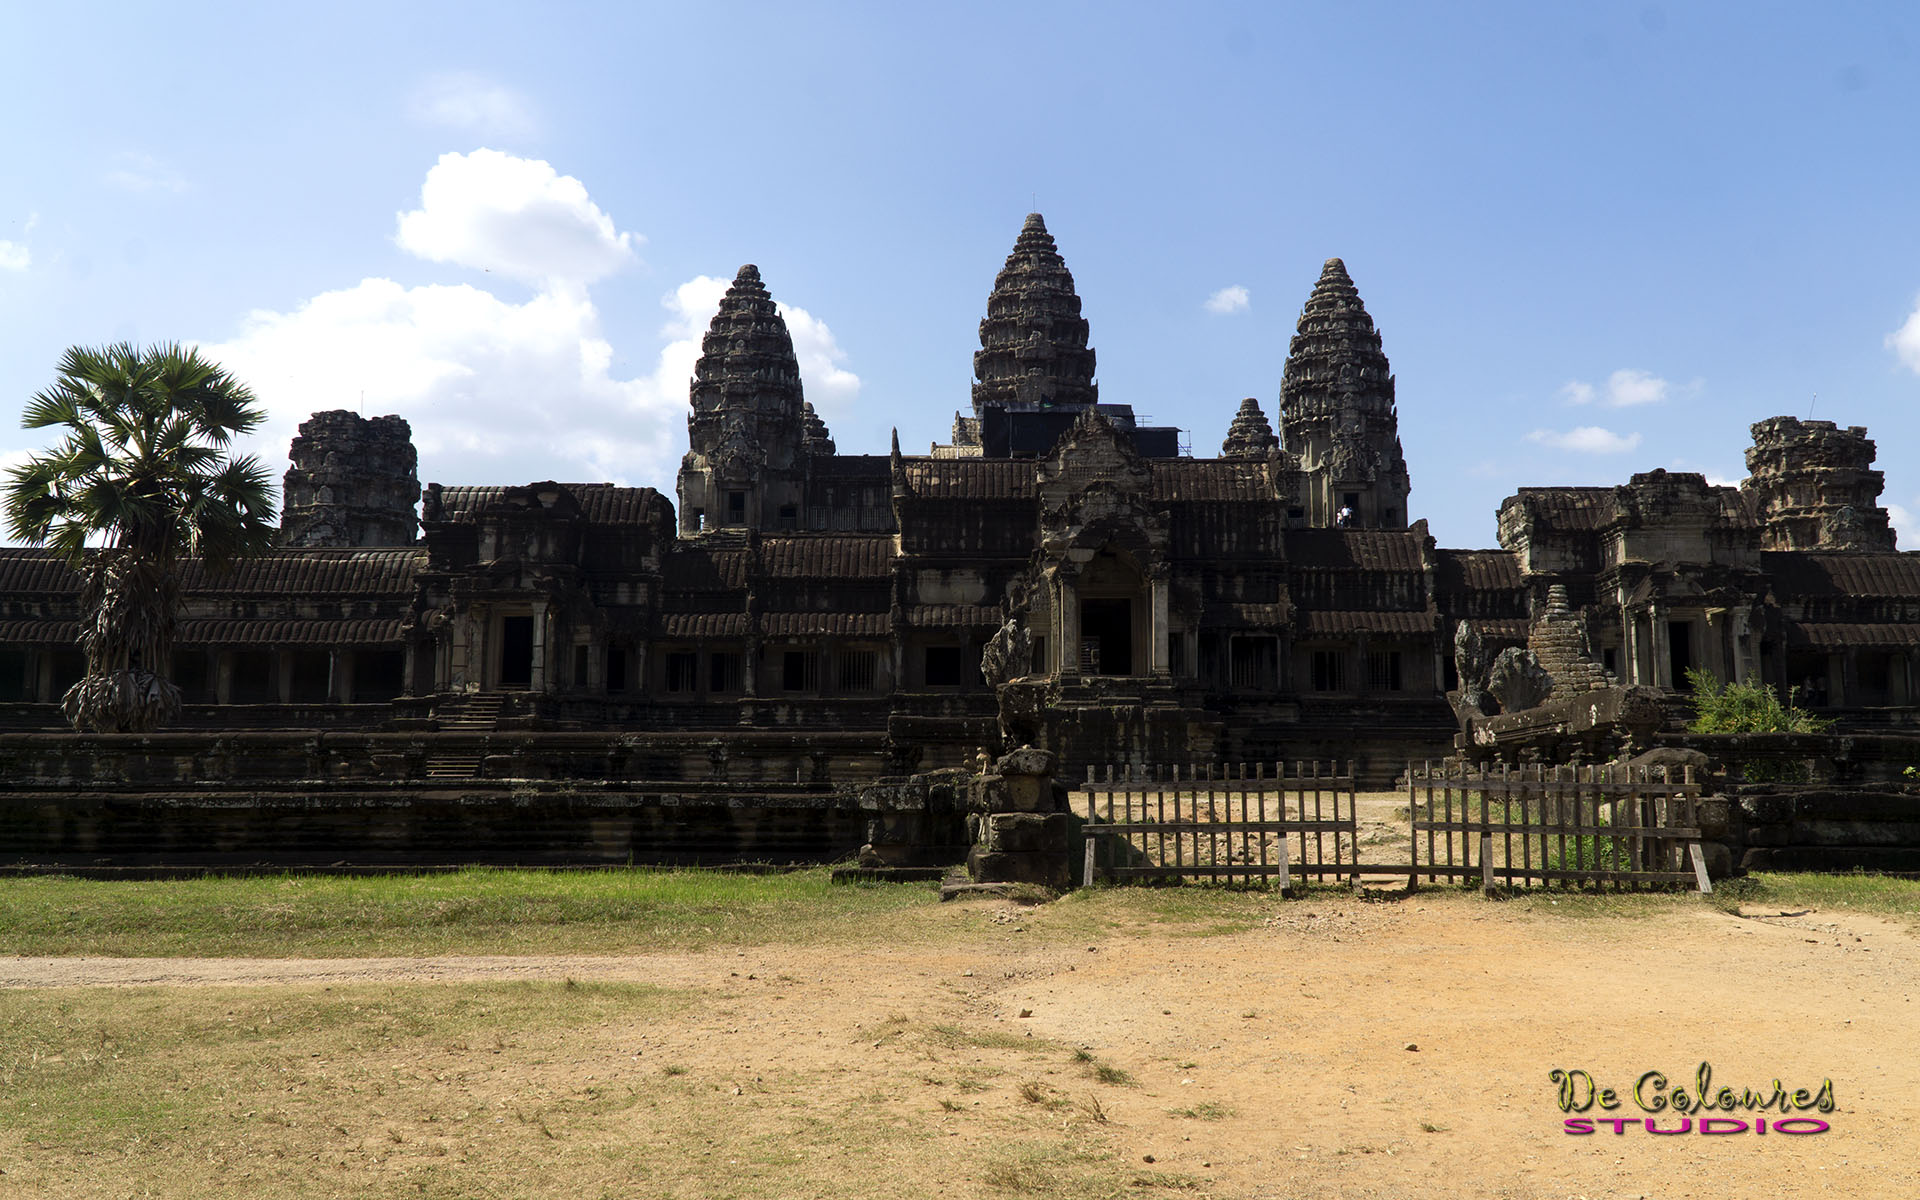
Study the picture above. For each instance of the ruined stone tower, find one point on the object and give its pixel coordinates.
(352, 481)
(1337, 412)
(1813, 486)
(750, 425)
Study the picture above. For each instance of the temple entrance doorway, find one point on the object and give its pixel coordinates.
(1680, 648)
(516, 652)
(1106, 637)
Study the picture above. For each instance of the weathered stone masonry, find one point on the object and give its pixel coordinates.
(1143, 606)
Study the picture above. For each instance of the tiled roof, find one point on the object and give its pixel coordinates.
(822, 624)
(953, 616)
(971, 478)
(277, 572)
(24, 569)
(1570, 509)
(600, 503)
(827, 556)
(1476, 571)
(1798, 573)
(311, 572)
(233, 632)
(1362, 549)
(38, 633)
(1211, 480)
(695, 568)
(1325, 623)
(1245, 615)
(1502, 628)
(1837, 634)
(227, 632)
(703, 625)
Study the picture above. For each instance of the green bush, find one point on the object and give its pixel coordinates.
(1750, 708)
(1745, 708)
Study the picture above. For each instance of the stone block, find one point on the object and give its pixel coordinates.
(1029, 793)
(1046, 870)
(1026, 761)
(989, 793)
(1719, 859)
(1019, 833)
(1766, 810)
(1757, 860)
(1769, 835)
(1715, 816)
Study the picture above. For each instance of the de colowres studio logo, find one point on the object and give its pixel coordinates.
(1704, 1110)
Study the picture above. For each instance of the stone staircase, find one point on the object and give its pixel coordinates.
(477, 713)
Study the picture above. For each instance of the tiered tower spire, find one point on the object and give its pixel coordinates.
(1337, 411)
(1033, 343)
(749, 420)
(1250, 436)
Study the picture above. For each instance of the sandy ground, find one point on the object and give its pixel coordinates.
(1346, 1048)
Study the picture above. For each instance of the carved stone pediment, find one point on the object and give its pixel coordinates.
(1092, 452)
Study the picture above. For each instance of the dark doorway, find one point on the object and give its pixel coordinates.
(1106, 637)
(1680, 644)
(516, 651)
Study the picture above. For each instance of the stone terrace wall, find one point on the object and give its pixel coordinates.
(1781, 827)
(287, 800)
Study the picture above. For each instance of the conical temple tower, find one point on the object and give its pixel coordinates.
(746, 465)
(1337, 412)
(1250, 435)
(1033, 344)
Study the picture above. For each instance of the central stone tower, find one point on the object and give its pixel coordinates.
(1033, 373)
(750, 429)
(1033, 343)
(1337, 413)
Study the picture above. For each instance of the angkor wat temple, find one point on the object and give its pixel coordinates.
(1060, 573)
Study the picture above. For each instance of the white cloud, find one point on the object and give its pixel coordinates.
(1905, 341)
(1587, 439)
(474, 104)
(1229, 300)
(1625, 388)
(498, 391)
(137, 172)
(14, 257)
(517, 216)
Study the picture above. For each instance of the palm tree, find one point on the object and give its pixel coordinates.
(142, 478)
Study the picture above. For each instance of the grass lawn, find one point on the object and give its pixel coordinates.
(609, 912)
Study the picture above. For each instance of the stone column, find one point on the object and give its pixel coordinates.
(1159, 633)
(537, 675)
(223, 677)
(340, 664)
(283, 675)
(1662, 648)
(1069, 610)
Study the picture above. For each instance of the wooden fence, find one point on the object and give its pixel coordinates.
(1604, 826)
(1243, 821)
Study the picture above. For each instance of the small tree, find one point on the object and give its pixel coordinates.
(142, 478)
(1744, 708)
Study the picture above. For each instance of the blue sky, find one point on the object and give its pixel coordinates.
(1598, 239)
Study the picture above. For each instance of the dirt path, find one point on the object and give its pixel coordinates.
(1342, 1049)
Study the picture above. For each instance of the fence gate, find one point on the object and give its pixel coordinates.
(1606, 825)
(1237, 822)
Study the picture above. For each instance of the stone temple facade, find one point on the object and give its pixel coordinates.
(1059, 573)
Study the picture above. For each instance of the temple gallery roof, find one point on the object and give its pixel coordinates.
(388, 572)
